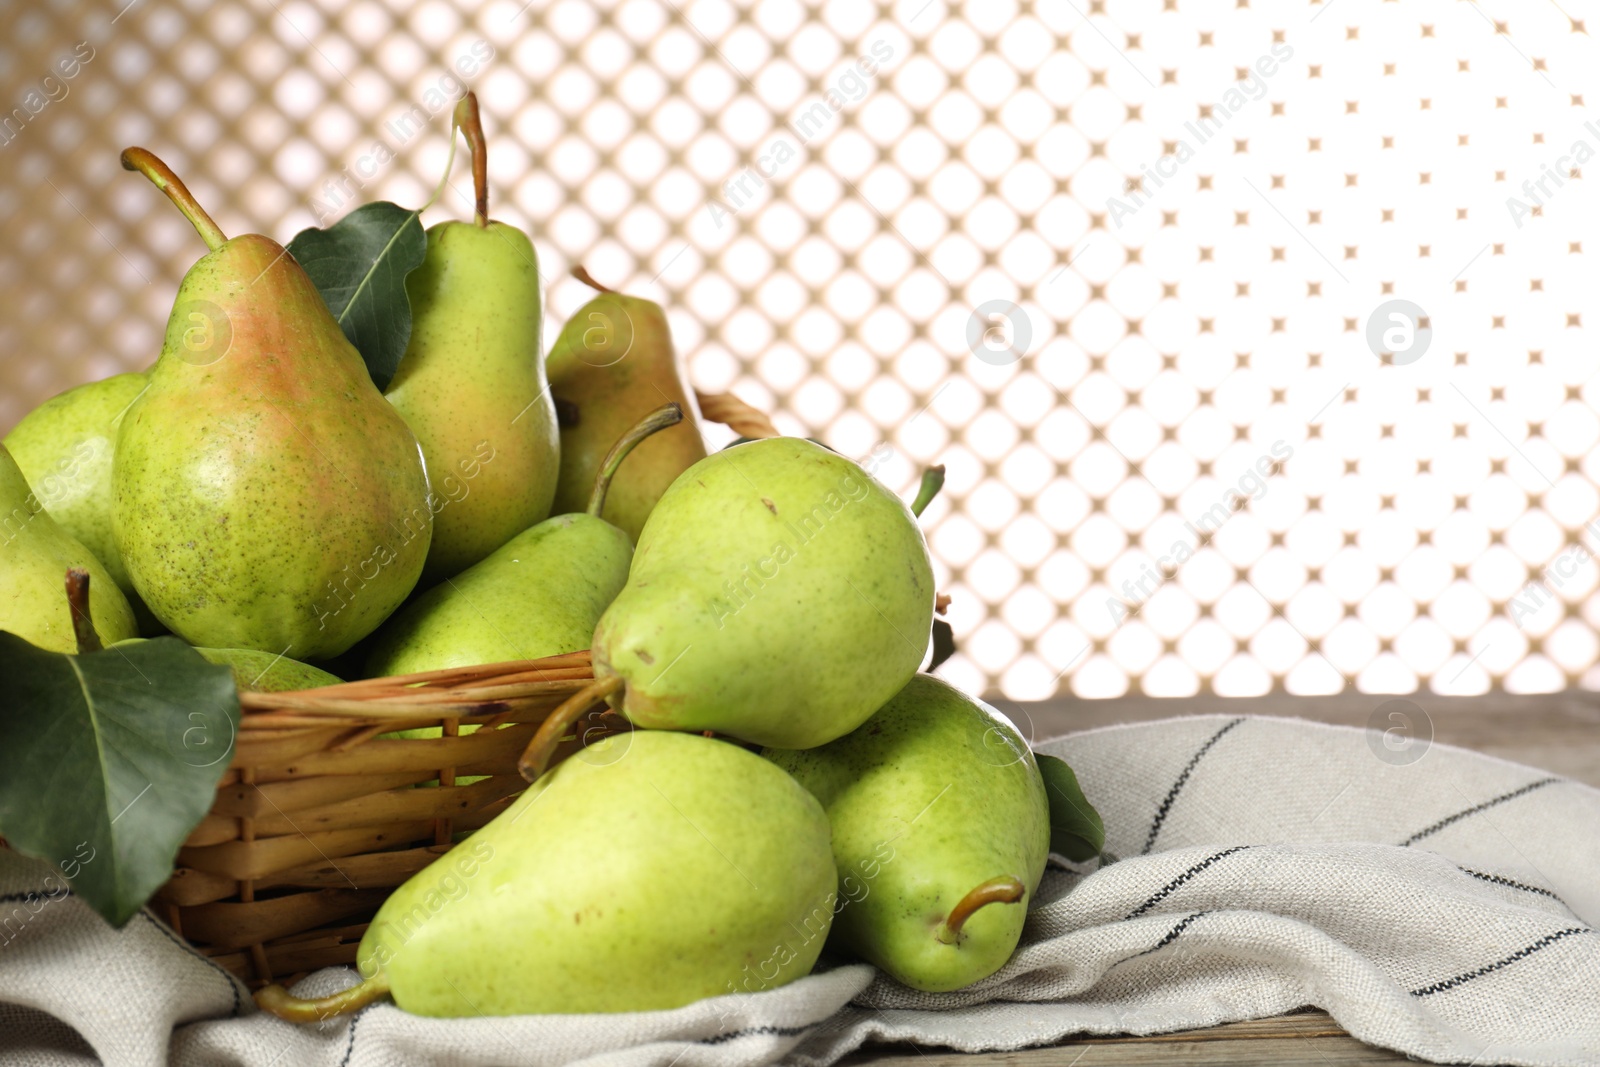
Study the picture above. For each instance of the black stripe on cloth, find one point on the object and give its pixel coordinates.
(1177, 787)
(1172, 935)
(1168, 889)
(233, 983)
(1461, 979)
(350, 1047)
(38, 894)
(1458, 816)
(754, 1031)
(1512, 884)
(35, 900)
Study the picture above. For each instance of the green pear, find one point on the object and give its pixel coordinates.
(537, 595)
(264, 494)
(65, 446)
(540, 594)
(35, 555)
(649, 871)
(941, 828)
(779, 593)
(613, 362)
(471, 385)
(262, 672)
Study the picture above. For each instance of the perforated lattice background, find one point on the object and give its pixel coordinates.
(1279, 171)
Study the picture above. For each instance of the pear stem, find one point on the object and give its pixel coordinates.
(536, 757)
(468, 121)
(659, 419)
(276, 1000)
(581, 273)
(82, 622)
(1002, 890)
(932, 482)
(147, 163)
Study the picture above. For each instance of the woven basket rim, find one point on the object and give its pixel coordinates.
(469, 693)
(292, 744)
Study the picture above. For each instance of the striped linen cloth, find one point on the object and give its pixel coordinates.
(1442, 906)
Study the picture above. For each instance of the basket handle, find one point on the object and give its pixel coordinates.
(735, 414)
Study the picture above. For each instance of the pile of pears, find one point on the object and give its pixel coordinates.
(775, 777)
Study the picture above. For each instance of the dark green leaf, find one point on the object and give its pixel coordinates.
(1076, 831)
(359, 264)
(109, 760)
(944, 644)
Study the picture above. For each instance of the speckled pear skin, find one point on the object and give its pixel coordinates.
(932, 796)
(615, 363)
(35, 554)
(472, 387)
(650, 871)
(268, 498)
(779, 594)
(262, 672)
(540, 594)
(64, 447)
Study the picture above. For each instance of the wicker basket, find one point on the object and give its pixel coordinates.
(318, 817)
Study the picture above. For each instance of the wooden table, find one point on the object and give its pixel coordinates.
(1559, 732)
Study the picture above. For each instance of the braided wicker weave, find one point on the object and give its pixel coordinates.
(319, 814)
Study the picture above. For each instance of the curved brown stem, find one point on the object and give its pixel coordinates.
(147, 163)
(536, 757)
(276, 1000)
(581, 273)
(82, 621)
(659, 419)
(1002, 890)
(470, 124)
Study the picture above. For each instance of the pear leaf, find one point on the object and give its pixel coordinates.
(1076, 831)
(109, 760)
(944, 644)
(359, 265)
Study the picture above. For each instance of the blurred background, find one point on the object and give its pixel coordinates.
(1253, 337)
